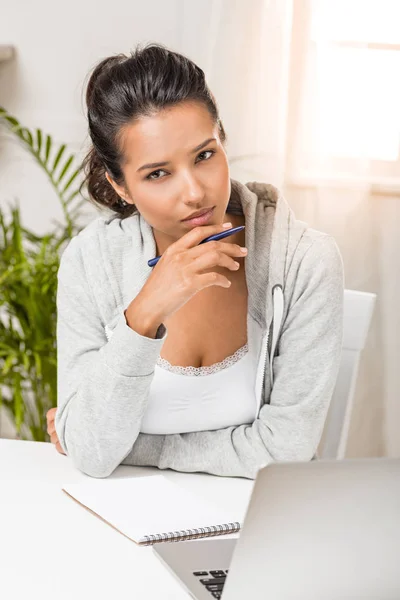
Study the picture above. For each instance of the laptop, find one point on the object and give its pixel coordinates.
(318, 530)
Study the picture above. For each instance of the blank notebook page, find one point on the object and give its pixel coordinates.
(148, 506)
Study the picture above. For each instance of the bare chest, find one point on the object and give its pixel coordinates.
(209, 327)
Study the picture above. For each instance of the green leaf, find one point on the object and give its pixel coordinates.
(30, 236)
(27, 136)
(39, 140)
(8, 118)
(65, 168)
(25, 361)
(18, 403)
(38, 364)
(18, 131)
(48, 149)
(71, 197)
(58, 157)
(8, 364)
(71, 179)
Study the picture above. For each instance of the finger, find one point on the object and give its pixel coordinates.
(212, 259)
(59, 449)
(51, 427)
(225, 247)
(197, 234)
(50, 415)
(208, 279)
(54, 438)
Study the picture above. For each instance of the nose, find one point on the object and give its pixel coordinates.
(192, 191)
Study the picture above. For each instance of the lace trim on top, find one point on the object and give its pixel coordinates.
(209, 369)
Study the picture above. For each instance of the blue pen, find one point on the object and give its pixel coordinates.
(216, 236)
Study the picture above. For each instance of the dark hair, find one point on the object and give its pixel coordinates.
(124, 88)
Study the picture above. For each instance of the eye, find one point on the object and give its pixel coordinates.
(206, 152)
(153, 173)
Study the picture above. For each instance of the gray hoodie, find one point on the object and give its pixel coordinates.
(295, 313)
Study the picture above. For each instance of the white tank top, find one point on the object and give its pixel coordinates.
(187, 399)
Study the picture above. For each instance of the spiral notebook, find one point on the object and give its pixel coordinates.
(152, 509)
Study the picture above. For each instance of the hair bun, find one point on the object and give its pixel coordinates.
(103, 67)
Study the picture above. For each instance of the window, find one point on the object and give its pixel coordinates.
(345, 92)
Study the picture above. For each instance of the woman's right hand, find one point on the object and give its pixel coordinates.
(179, 275)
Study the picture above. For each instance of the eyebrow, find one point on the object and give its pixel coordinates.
(163, 164)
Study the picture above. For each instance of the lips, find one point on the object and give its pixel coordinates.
(199, 213)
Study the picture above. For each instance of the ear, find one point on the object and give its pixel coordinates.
(119, 189)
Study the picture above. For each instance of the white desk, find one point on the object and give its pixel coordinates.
(50, 547)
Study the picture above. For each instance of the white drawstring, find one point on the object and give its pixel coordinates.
(277, 301)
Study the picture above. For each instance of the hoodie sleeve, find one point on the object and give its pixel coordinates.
(290, 426)
(102, 386)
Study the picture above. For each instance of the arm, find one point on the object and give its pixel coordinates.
(102, 385)
(289, 428)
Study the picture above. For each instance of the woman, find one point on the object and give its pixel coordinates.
(217, 359)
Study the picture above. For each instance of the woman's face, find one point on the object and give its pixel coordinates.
(189, 180)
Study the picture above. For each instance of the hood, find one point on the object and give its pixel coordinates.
(272, 235)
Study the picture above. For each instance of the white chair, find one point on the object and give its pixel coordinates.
(358, 309)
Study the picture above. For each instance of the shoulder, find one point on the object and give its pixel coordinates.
(321, 252)
(94, 262)
(104, 226)
(102, 231)
(318, 271)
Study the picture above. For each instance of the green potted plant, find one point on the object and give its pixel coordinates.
(28, 285)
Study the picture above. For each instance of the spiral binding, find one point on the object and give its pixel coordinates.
(190, 534)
